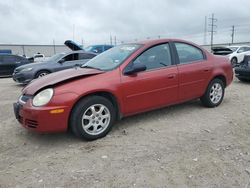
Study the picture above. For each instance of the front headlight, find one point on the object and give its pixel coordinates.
(43, 97)
(26, 70)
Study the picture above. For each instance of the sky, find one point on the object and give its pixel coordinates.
(95, 22)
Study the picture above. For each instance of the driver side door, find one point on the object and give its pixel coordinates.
(155, 87)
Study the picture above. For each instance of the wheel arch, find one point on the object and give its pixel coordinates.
(221, 77)
(106, 94)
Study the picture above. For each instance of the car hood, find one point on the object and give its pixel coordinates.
(221, 51)
(51, 80)
(33, 65)
(72, 45)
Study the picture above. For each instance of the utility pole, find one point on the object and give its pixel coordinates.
(73, 32)
(111, 41)
(212, 31)
(115, 41)
(233, 33)
(82, 42)
(205, 31)
(54, 45)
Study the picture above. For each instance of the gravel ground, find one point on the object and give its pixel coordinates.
(185, 145)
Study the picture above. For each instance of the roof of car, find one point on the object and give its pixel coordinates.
(157, 41)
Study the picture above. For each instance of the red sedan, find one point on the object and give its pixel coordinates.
(125, 80)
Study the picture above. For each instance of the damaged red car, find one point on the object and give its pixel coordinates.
(125, 80)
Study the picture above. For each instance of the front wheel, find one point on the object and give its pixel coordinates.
(42, 73)
(92, 118)
(214, 94)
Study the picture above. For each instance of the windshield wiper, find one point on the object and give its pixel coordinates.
(90, 67)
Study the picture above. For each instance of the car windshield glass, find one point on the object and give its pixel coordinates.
(112, 58)
(56, 57)
(233, 48)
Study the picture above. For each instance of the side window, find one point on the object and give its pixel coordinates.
(188, 53)
(71, 57)
(155, 57)
(9, 59)
(86, 56)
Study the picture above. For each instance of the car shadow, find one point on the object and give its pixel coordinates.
(126, 122)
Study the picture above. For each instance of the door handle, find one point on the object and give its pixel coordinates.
(206, 69)
(171, 76)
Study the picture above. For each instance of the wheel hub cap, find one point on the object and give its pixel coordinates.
(216, 93)
(96, 119)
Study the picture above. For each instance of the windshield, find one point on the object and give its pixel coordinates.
(56, 57)
(112, 58)
(233, 48)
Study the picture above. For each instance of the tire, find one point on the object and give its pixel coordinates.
(243, 80)
(214, 94)
(86, 120)
(42, 73)
(234, 61)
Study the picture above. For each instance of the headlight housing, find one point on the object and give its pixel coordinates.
(26, 69)
(43, 97)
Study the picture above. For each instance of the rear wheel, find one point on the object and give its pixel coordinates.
(42, 73)
(214, 93)
(92, 117)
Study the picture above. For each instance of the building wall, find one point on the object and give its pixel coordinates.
(30, 50)
(49, 50)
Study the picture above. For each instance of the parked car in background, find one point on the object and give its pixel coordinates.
(125, 80)
(9, 62)
(26, 73)
(98, 48)
(3, 51)
(39, 57)
(242, 72)
(234, 53)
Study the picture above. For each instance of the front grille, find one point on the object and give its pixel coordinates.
(20, 119)
(25, 98)
(31, 123)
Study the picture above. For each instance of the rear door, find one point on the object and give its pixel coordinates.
(194, 71)
(153, 88)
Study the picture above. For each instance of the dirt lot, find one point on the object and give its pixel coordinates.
(181, 146)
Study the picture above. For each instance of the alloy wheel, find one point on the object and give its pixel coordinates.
(96, 119)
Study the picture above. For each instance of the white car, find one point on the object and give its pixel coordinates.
(238, 53)
(39, 57)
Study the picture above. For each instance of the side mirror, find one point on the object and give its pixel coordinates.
(61, 61)
(134, 69)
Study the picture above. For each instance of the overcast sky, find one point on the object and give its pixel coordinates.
(39, 22)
